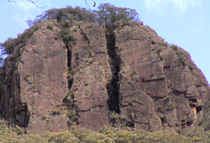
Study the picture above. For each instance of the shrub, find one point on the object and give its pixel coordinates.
(1, 61)
(44, 117)
(50, 27)
(109, 15)
(68, 100)
(77, 134)
(63, 137)
(179, 54)
(10, 44)
(72, 117)
(66, 35)
(56, 112)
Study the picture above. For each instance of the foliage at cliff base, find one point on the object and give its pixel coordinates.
(105, 135)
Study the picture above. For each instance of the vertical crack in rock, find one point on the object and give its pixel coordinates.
(113, 85)
(70, 75)
(21, 113)
(12, 108)
(68, 101)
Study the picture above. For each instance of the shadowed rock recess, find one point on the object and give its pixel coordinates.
(94, 77)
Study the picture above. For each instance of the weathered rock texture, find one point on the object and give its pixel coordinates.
(130, 77)
(91, 72)
(160, 87)
(37, 83)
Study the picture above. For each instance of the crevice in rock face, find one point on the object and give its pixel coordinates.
(22, 116)
(12, 109)
(70, 75)
(68, 101)
(183, 124)
(113, 85)
(194, 105)
(177, 93)
(199, 109)
(130, 124)
(193, 102)
(153, 80)
(189, 123)
(92, 108)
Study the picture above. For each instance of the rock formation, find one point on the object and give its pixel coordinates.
(130, 77)
(160, 87)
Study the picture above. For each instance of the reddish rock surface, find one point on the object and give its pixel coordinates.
(142, 81)
(160, 75)
(39, 83)
(91, 73)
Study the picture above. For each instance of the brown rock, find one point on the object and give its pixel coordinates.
(91, 72)
(131, 74)
(164, 74)
(40, 82)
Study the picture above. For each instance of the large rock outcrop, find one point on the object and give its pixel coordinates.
(127, 77)
(36, 83)
(160, 75)
(91, 72)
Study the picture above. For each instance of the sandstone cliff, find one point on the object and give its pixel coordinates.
(128, 77)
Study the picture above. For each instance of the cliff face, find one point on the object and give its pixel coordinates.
(130, 77)
(160, 87)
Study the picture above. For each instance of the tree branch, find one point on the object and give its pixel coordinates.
(33, 2)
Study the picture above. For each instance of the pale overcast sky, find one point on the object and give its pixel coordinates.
(181, 22)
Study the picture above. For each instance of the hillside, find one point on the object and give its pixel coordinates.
(93, 69)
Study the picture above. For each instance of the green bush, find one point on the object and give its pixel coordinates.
(63, 137)
(10, 44)
(108, 15)
(1, 61)
(179, 54)
(44, 117)
(50, 27)
(66, 34)
(68, 100)
(77, 134)
(56, 112)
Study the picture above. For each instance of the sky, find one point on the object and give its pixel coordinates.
(181, 22)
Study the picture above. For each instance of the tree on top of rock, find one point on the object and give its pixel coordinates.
(107, 15)
(110, 16)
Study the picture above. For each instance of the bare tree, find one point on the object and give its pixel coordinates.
(34, 2)
(31, 1)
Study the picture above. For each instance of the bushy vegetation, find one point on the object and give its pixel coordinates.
(66, 34)
(69, 14)
(69, 103)
(107, 15)
(179, 54)
(105, 135)
(111, 16)
(1, 61)
(10, 44)
(50, 27)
